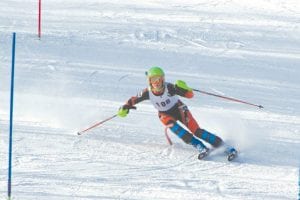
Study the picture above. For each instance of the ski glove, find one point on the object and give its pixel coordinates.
(181, 84)
(124, 110)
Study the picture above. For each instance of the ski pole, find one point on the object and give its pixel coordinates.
(97, 124)
(228, 98)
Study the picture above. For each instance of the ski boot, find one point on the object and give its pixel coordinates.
(231, 153)
(203, 152)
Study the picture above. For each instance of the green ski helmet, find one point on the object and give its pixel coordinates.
(156, 72)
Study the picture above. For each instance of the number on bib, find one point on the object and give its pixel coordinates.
(163, 103)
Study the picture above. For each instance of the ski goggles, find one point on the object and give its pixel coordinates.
(156, 79)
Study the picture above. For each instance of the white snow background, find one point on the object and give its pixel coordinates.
(92, 57)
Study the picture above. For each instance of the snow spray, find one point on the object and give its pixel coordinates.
(11, 116)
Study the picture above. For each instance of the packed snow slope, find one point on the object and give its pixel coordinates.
(92, 57)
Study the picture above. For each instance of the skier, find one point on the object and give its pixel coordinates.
(164, 97)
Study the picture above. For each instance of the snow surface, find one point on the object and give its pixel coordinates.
(92, 57)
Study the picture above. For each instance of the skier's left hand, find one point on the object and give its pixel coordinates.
(181, 84)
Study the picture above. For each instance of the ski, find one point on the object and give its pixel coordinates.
(231, 154)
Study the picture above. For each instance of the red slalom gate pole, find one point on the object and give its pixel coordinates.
(95, 125)
(228, 98)
(167, 135)
(39, 18)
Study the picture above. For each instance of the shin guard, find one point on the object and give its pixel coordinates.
(212, 139)
(186, 136)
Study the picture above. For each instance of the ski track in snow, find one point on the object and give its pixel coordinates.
(92, 58)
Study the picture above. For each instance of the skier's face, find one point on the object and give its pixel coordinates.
(156, 82)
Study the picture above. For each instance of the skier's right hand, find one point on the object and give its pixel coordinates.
(124, 110)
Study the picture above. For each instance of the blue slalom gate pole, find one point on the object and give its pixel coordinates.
(11, 116)
(299, 184)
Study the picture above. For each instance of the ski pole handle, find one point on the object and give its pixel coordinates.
(228, 98)
(95, 125)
